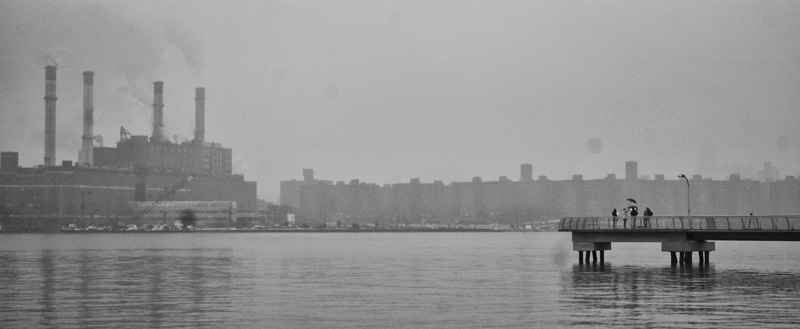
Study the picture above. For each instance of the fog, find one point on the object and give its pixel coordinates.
(386, 91)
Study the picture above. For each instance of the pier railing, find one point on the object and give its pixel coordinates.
(775, 222)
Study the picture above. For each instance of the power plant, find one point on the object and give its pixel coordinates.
(141, 182)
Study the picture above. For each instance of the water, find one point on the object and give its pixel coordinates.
(385, 280)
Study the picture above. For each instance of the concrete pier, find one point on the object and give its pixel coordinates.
(681, 236)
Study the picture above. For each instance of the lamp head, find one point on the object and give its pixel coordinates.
(681, 176)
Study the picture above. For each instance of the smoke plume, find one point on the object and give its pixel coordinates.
(126, 55)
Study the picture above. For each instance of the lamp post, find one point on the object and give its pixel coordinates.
(688, 202)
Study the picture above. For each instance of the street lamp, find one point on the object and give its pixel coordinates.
(688, 203)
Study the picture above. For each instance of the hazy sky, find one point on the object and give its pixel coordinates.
(386, 91)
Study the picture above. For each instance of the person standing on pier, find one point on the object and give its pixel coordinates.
(634, 212)
(614, 217)
(647, 214)
(625, 217)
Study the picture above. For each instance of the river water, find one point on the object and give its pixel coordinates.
(385, 280)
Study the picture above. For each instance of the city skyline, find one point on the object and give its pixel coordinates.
(387, 92)
(317, 202)
(765, 174)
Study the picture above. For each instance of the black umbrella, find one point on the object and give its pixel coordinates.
(631, 200)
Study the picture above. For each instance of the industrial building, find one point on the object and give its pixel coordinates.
(109, 186)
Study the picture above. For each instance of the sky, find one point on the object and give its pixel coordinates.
(387, 91)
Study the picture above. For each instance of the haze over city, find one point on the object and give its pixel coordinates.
(386, 91)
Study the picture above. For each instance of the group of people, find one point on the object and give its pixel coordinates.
(633, 211)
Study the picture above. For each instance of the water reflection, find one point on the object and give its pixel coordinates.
(681, 296)
(47, 267)
(134, 288)
(85, 292)
(347, 281)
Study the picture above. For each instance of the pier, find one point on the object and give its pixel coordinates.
(681, 236)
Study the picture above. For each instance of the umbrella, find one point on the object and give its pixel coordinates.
(631, 200)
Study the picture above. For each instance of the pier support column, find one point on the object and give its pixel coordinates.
(685, 248)
(580, 257)
(602, 257)
(700, 257)
(590, 249)
(672, 258)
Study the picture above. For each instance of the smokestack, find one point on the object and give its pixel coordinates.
(50, 116)
(199, 115)
(87, 152)
(158, 112)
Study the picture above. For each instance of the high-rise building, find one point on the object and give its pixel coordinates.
(631, 170)
(526, 172)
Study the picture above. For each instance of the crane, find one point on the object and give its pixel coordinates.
(124, 134)
(167, 194)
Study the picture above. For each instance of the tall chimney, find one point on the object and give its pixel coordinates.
(50, 116)
(199, 115)
(158, 112)
(87, 152)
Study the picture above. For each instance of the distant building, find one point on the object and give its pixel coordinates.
(290, 190)
(631, 170)
(50, 197)
(200, 214)
(769, 173)
(526, 172)
(191, 157)
(506, 202)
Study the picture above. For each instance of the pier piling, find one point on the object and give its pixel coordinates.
(589, 249)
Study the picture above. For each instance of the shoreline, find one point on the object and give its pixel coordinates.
(417, 230)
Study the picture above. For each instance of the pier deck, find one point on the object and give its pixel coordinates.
(677, 234)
